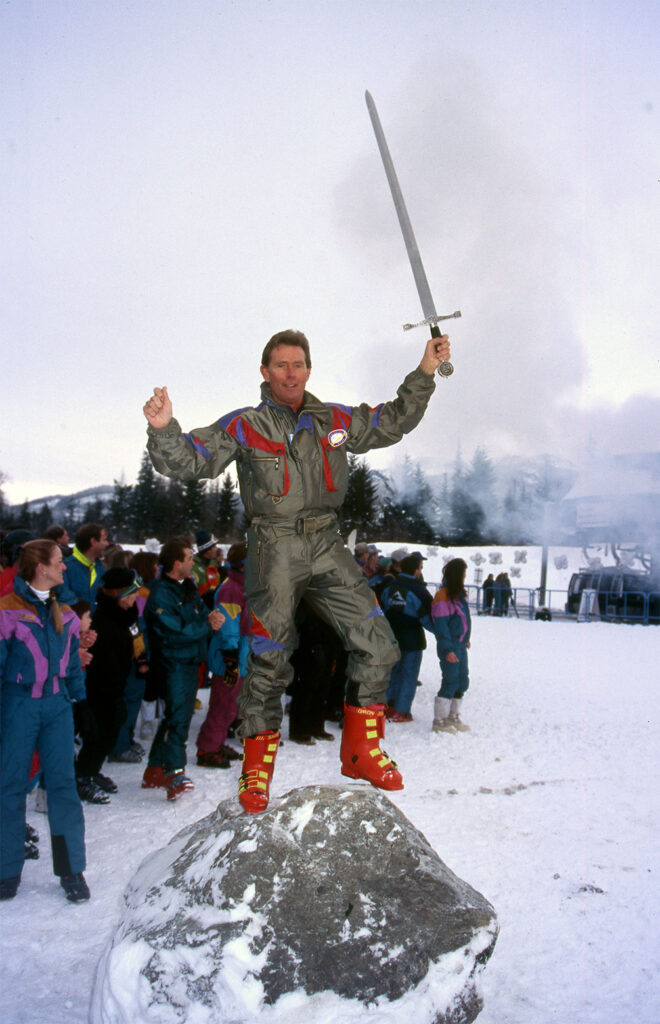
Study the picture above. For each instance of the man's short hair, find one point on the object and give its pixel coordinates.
(86, 534)
(173, 551)
(410, 564)
(54, 532)
(289, 337)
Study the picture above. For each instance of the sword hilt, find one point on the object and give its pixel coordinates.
(446, 368)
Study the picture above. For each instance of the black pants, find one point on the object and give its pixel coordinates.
(109, 713)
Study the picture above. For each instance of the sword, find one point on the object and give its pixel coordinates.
(431, 318)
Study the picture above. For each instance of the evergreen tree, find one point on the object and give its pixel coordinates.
(71, 520)
(194, 503)
(174, 521)
(226, 513)
(360, 507)
(422, 504)
(479, 507)
(211, 495)
(41, 520)
(442, 523)
(146, 509)
(392, 517)
(95, 512)
(409, 506)
(466, 513)
(24, 516)
(120, 512)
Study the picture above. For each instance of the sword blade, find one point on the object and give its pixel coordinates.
(419, 274)
(423, 290)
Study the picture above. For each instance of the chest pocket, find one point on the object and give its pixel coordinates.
(269, 474)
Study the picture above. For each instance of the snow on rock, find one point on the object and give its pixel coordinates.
(330, 899)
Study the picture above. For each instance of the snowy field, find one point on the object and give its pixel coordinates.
(549, 807)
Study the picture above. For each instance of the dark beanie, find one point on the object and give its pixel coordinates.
(204, 540)
(118, 579)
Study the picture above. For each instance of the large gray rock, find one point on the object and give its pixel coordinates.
(330, 906)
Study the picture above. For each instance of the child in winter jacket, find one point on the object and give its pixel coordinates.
(227, 661)
(451, 617)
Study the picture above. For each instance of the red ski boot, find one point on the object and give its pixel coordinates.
(361, 754)
(258, 763)
(154, 777)
(177, 784)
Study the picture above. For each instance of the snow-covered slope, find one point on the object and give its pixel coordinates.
(549, 807)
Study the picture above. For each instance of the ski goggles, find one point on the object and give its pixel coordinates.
(132, 587)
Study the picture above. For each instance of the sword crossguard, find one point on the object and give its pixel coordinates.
(431, 320)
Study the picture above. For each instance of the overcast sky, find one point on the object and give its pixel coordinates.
(184, 178)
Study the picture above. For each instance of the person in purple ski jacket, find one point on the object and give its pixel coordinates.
(451, 617)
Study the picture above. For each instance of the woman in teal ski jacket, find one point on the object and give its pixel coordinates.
(40, 676)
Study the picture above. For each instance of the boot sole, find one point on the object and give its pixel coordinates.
(377, 785)
(253, 810)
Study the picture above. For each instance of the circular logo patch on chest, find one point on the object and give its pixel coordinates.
(336, 438)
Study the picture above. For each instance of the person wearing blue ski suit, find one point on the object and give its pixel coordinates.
(179, 626)
(407, 605)
(40, 676)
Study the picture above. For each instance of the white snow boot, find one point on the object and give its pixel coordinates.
(441, 713)
(455, 716)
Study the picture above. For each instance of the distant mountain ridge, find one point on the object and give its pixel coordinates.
(62, 504)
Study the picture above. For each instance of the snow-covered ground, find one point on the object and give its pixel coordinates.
(549, 807)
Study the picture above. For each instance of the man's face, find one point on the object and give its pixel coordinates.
(97, 547)
(372, 565)
(287, 375)
(182, 570)
(211, 553)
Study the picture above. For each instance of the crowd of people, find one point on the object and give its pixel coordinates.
(115, 645)
(291, 454)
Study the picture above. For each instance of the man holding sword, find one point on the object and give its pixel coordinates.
(291, 452)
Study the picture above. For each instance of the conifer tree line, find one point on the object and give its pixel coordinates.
(466, 505)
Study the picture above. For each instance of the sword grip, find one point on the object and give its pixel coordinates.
(445, 369)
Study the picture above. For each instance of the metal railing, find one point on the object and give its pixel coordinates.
(632, 606)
